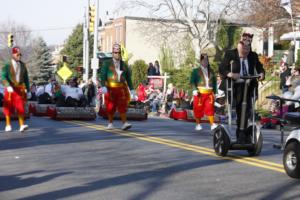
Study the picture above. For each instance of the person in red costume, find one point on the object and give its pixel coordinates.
(16, 82)
(141, 92)
(115, 80)
(204, 85)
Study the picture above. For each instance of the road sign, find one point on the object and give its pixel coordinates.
(65, 72)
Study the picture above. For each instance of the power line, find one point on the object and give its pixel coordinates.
(40, 30)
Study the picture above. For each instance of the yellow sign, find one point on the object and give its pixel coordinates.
(64, 72)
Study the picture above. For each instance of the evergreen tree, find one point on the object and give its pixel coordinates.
(298, 60)
(189, 53)
(139, 72)
(181, 78)
(73, 48)
(227, 38)
(40, 69)
(166, 58)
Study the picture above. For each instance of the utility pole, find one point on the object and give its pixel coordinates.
(86, 43)
(95, 60)
(270, 41)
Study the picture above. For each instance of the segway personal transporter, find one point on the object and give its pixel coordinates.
(223, 139)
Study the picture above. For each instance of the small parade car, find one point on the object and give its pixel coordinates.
(188, 115)
(62, 113)
(291, 155)
(185, 112)
(291, 147)
(136, 111)
(39, 109)
(71, 113)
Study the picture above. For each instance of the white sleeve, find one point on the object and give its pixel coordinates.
(40, 90)
(63, 88)
(80, 93)
(48, 89)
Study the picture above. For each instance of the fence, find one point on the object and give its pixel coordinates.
(269, 87)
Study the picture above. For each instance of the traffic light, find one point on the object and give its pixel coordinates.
(92, 14)
(10, 40)
(64, 58)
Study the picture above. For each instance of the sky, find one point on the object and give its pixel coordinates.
(43, 15)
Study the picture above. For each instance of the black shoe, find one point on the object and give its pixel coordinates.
(241, 137)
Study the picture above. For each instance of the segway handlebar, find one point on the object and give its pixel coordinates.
(250, 77)
(275, 97)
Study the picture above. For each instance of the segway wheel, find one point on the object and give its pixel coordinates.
(221, 141)
(291, 159)
(258, 143)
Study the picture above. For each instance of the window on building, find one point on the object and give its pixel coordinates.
(107, 44)
(118, 30)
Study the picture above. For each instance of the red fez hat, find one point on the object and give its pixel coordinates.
(15, 50)
(247, 35)
(117, 47)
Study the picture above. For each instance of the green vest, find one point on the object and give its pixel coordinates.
(109, 74)
(198, 79)
(8, 75)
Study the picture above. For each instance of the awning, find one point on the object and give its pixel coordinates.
(290, 36)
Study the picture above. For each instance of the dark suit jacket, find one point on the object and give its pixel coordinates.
(255, 67)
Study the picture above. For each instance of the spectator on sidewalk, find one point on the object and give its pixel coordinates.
(151, 70)
(89, 91)
(74, 95)
(285, 73)
(157, 101)
(157, 68)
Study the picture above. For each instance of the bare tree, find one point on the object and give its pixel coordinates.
(22, 38)
(263, 12)
(269, 13)
(197, 18)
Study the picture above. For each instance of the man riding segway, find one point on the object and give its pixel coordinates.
(240, 70)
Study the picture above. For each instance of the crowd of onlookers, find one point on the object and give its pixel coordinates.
(153, 70)
(290, 84)
(81, 94)
(159, 102)
(71, 94)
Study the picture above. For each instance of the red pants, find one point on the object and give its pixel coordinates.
(117, 98)
(204, 104)
(14, 101)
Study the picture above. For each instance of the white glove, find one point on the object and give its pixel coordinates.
(262, 77)
(132, 94)
(9, 89)
(195, 92)
(104, 90)
(28, 95)
(234, 76)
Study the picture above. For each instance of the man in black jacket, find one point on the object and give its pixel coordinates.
(238, 62)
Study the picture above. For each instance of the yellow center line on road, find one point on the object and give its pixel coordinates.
(181, 145)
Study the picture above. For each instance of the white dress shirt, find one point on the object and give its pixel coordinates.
(205, 73)
(48, 89)
(74, 92)
(40, 90)
(246, 64)
(17, 69)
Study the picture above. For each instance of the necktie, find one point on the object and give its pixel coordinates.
(244, 68)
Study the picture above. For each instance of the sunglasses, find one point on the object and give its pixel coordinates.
(117, 52)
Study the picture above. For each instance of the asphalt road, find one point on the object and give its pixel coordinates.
(157, 159)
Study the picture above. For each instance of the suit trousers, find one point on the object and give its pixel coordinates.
(238, 99)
